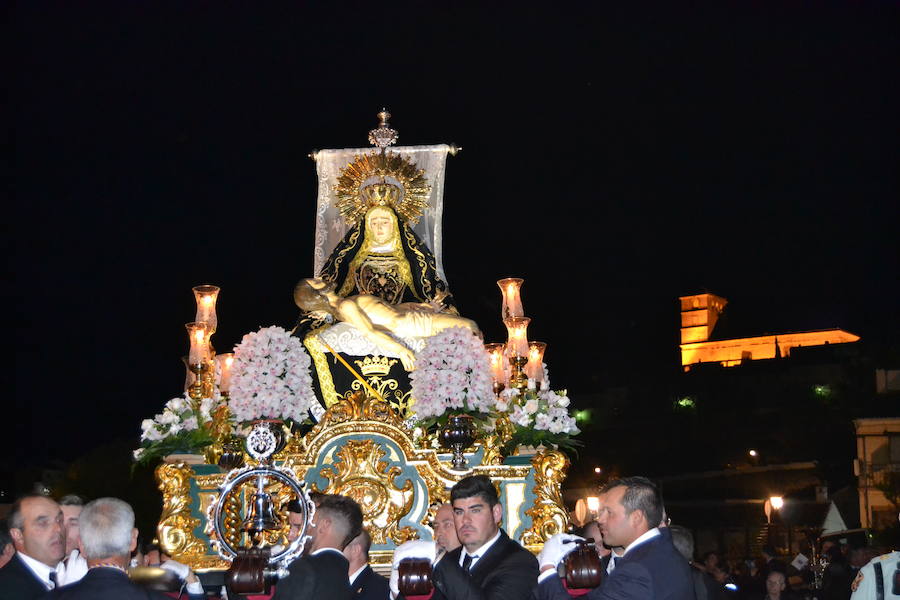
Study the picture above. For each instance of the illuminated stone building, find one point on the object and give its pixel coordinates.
(699, 314)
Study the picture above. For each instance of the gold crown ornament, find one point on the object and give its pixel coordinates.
(382, 178)
(375, 365)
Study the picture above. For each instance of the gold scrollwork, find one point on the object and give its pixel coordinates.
(548, 515)
(176, 525)
(362, 475)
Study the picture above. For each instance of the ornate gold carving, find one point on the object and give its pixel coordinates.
(363, 476)
(176, 525)
(396, 181)
(548, 516)
(495, 442)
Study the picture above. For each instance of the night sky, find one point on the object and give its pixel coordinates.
(615, 157)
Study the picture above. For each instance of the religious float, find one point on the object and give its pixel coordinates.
(381, 392)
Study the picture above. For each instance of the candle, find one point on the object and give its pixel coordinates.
(535, 367)
(512, 297)
(206, 296)
(498, 362)
(517, 329)
(199, 336)
(225, 361)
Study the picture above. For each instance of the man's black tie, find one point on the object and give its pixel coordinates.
(53, 580)
(467, 562)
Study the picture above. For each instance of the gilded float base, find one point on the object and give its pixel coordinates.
(361, 448)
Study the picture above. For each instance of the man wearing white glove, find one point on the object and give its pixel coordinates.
(107, 538)
(488, 565)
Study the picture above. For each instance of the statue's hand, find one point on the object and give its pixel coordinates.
(408, 358)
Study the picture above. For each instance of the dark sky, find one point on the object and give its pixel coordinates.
(615, 157)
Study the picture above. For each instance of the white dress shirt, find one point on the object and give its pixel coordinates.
(478, 553)
(40, 570)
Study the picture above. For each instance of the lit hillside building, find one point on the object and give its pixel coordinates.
(699, 314)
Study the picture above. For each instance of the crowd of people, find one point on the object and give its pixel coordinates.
(68, 550)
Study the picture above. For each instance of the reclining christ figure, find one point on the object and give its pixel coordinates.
(382, 322)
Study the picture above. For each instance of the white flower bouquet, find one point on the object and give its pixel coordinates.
(270, 377)
(182, 426)
(539, 417)
(452, 374)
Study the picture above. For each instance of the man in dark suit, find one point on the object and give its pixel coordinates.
(651, 568)
(107, 539)
(322, 570)
(39, 536)
(488, 565)
(365, 583)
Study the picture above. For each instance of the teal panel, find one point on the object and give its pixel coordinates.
(407, 473)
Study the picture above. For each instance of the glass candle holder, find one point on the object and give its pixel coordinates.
(498, 362)
(517, 330)
(225, 361)
(535, 367)
(199, 333)
(206, 296)
(512, 297)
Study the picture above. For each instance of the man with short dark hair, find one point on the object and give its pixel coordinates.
(71, 506)
(488, 565)
(39, 536)
(650, 568)
(365, 583)
(322, 570)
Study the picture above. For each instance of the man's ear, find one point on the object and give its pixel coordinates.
(636, 518)
(134, 537)
(18, 539)
(497, 510)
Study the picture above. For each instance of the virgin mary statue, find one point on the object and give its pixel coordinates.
(385, 208)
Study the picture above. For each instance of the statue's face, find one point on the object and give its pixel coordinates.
(380, 225)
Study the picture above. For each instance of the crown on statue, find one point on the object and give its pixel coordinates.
(382, 178)
(375, 365)
(381, 194)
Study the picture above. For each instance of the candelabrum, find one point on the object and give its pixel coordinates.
(197, 390)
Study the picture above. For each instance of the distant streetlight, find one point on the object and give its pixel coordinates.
(598, 470)
(593, 504)
(777, 502)
(753, 453)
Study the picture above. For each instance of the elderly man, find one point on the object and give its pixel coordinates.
(488, 565)
(39, 536)
(108, 537)
(322, 570)
(445, 530)
(365, 583)
(650, 567)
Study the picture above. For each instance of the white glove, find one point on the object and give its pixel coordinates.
(410, 549)
(556, 548)
(71, 570)
(183, 571)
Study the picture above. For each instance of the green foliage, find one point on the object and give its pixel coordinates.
(183, 442)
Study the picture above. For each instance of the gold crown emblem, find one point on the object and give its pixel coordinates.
(375, 365)
(380, 194)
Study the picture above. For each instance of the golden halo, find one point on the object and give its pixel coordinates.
(387, 167)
